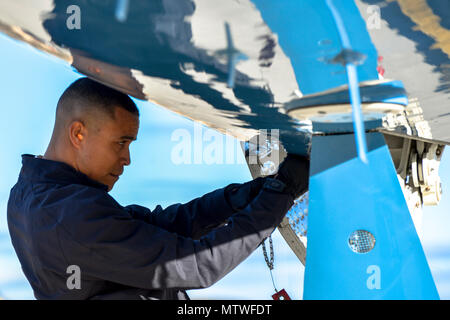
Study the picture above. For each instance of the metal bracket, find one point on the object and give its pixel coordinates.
(417, 164)
(431, 187)
(268, 155)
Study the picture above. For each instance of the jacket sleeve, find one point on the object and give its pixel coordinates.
(192, 219)
(107, 243)
(201, 215)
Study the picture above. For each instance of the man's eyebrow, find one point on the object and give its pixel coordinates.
(128, 138)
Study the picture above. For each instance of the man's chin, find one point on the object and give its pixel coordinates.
(110, 185)
(112, 182)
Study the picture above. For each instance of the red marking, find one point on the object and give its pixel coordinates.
(380, 68)
(281, 295)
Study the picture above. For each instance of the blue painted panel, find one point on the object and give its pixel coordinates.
(347, 195)
(308, 35)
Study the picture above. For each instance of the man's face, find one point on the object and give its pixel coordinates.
(105, 150)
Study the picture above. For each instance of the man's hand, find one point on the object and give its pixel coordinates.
(294, 173)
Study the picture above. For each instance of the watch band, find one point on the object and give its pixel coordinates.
(274, 185)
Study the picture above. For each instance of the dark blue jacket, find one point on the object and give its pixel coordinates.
(59, 219)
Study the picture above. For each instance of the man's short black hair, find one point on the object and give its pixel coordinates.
(87, 96)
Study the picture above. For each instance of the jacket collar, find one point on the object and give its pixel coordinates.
(44, 170)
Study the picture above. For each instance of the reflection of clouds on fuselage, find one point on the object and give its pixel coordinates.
(171, 47)
(167, 51)
(415, 44)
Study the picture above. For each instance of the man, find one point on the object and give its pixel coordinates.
(74, 241)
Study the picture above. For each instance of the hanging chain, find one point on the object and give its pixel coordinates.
(269, 262)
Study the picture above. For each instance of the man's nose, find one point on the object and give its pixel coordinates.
(126, 157)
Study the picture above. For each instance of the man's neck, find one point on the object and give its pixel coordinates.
(53, 154)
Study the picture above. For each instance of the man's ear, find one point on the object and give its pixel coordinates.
(77, 133)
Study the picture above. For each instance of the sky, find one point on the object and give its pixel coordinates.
(30, 87)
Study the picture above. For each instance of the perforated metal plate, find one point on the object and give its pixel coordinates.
(298, 215)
